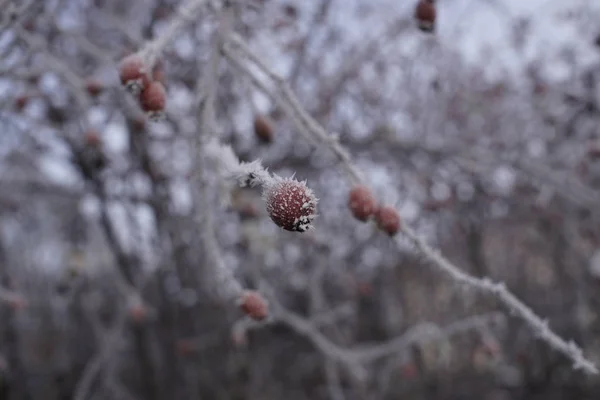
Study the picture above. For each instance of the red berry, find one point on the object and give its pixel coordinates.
(361, 202)
(137, 124)
(254, 305)
(409, 371)
(388, 220)
(248, 211)
(290, 204)
(186, 346)
(21, 102)
(138, 312)
(594, 151)
(133, 73)
(153, 98)
(425, 14)
(92, 138)
(263, 129)
(290, 11)
(94, 87)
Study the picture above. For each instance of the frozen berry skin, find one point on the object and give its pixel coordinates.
(263, 129)
(362, 203)
(388, 220)
(291, 204)
(254, 305)
(153, 98)
(425, 14)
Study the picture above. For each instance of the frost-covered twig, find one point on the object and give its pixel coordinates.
(205, 144)
(237, 50)
(185, 14)
(291, 105)
(355, 359)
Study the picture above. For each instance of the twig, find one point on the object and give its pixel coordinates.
(186, 13)
(356, 358)
(206, 94)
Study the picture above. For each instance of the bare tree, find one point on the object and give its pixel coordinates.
(228, 199)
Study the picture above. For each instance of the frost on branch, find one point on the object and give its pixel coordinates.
(231, 169)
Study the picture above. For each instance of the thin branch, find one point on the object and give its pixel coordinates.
(185, 14)
(356, 358)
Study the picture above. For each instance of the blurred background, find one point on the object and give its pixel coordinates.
(485, 134)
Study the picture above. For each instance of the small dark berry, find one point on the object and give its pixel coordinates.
(254, 305)
(153, 98)
(94, 87)
(388, 220)
(92, 138)
(362, 203)
(21, 102)
(263, 129)
(425, 14)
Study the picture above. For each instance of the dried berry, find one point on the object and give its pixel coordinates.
(186, 346)
(425, 14)
(254, 305)
(153, 99)
(594, 151)
(137, 124)
(138, 312)
(290, 204)
(94, 87)
(361, 202)
(388, 220)
(92, 138)
(248, 211)
(133, 73)
(21, 102)
(290, 11)
(263, 129)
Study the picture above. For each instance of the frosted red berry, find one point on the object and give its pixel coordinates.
(388, 220)
(425, 14)
(133, 73)
(254, 305)
(290, 204)
(263, 129)
(361, 202)
(153, 98)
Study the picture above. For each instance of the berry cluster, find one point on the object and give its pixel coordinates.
(363, 205)
(148, 86)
